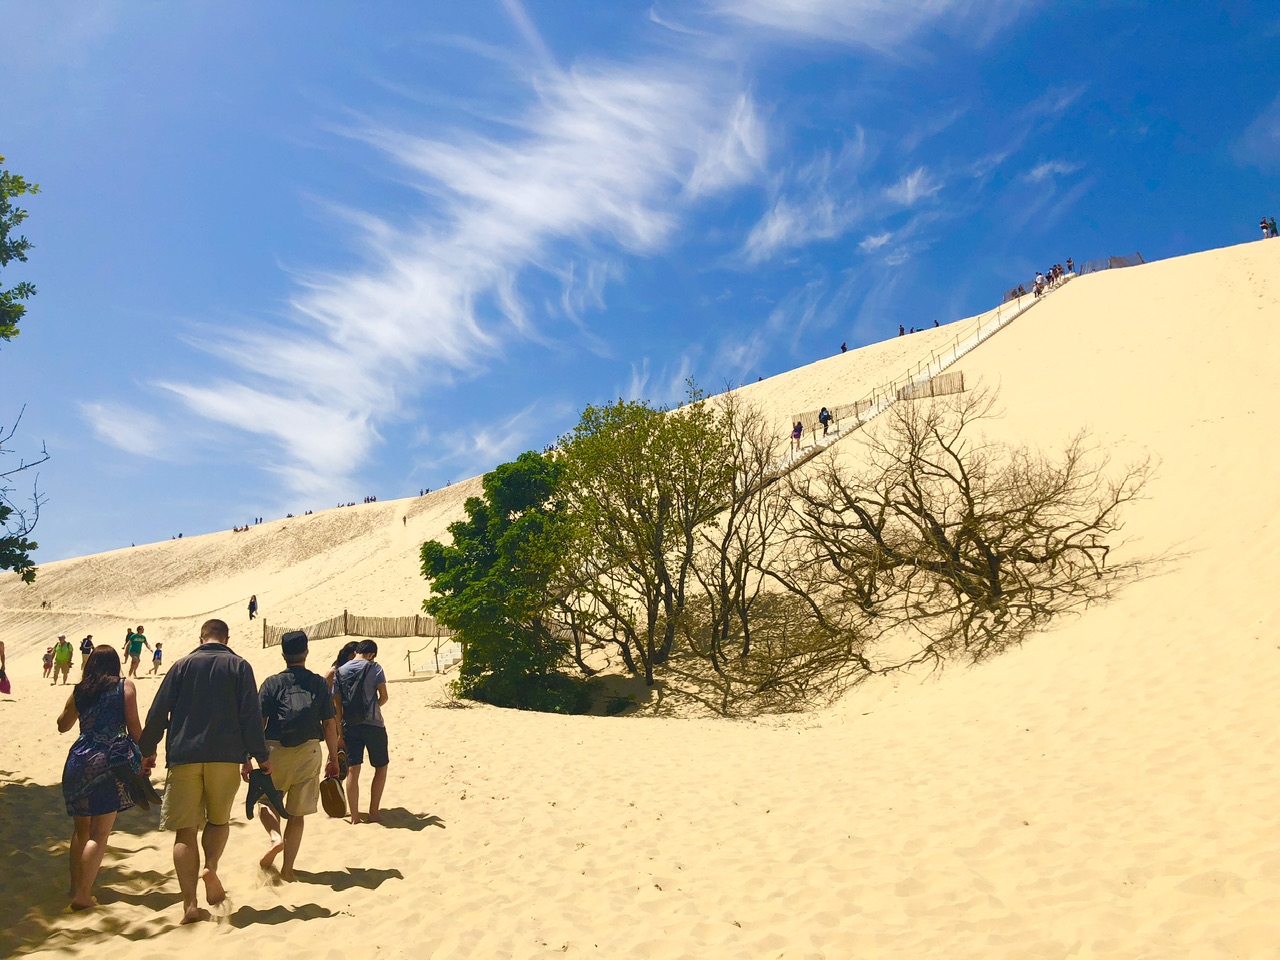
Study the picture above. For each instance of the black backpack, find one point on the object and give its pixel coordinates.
(356, 704)
(298, 715)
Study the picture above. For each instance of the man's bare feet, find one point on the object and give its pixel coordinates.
(196, 915)
(269, 858)
(375, 817)
(288, 875)
(76, 906)
(356, 818)
(213, 889)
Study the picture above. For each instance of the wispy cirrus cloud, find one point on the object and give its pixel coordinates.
(917, 185)
(1049, 169)
(791, 224)
(820, 201)
(476, 447)
(128, 429)
(612, 156)
(874, 242)
(880, 25)
(670, 385)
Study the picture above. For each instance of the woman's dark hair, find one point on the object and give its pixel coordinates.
(347, 653)
(101, 673)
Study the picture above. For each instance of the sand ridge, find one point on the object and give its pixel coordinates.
(1107, 790)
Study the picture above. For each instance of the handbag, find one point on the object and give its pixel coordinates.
(5, 686)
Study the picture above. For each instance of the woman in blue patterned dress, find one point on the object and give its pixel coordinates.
(107, 707)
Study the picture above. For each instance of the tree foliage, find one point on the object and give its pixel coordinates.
(13, 248)
(676, 539)
(494, 585)
(641, 483)
(17, 519)
(970, 544)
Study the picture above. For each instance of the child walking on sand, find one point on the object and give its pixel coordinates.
(155, 659)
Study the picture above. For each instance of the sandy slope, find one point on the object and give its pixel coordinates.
(1106, 791)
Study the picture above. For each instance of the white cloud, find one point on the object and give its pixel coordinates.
(880, 25)
(823, 202)
(520, 17)
(916, 186)
(1050, 169)
(731, 154)
(740, 356)
(128, 429)
(874, 242)
(480, 447)
(609, 155)
(1053, 102)
(669, 387)
(792, 225)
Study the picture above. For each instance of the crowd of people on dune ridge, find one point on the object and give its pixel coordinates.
(299, 741)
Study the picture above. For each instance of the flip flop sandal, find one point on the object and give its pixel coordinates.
(333, 798)
(262, 790)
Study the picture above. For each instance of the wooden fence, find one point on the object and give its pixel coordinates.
(939, 386)
(351, 624)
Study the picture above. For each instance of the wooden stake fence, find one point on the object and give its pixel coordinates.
(351, 624)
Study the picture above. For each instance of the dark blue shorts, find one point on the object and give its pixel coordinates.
(362, 736)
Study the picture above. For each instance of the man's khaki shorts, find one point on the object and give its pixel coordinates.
(296, 773)
(199, 793)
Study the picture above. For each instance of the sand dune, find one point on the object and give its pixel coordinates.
(1105, 791)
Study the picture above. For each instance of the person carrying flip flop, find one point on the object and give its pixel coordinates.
(208, 704)
(298, 712)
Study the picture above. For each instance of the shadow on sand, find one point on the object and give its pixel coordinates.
(35, 837)
(249, 916)
(398, 818)
(367, 878)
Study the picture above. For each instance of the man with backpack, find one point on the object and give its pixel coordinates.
(297, 713)
(362, 688)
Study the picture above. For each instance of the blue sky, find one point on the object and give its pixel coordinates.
(293, 254)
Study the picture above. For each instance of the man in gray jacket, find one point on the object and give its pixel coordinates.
(208, 703)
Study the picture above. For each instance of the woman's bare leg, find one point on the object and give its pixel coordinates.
(91, 854)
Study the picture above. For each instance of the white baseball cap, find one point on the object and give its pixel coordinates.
(62, 636)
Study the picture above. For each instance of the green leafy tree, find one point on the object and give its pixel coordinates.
(16, 520)
(495, 585)
(13, 248)
(641, 481)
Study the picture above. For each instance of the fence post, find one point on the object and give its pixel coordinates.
(264, 634)
(417, 625)
(345, 631)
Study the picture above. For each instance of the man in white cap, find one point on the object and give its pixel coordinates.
(63, 653)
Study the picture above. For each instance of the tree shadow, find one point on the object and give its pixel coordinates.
(367, 878)
(35, 837)
(398, 818)
(248, 916)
